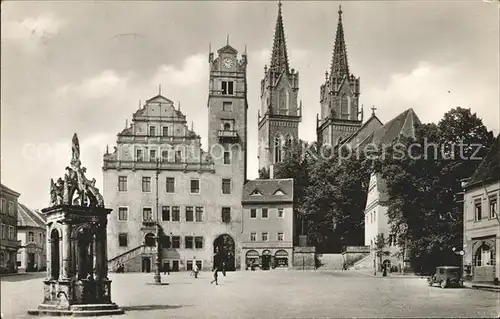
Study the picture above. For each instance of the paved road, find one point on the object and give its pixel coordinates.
(277, 294)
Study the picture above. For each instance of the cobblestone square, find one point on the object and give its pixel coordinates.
(274, 294)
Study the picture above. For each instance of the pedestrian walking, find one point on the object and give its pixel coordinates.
(195, 270)
(216, 265)
(224, 268)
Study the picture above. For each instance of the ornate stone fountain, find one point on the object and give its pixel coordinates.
(77, 270)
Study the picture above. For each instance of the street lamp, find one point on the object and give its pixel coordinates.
(157, 275)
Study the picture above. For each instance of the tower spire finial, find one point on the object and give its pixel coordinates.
(159, 89)
(340, 66)
(279, 57)
(227, 39)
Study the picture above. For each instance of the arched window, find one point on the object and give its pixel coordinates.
(54, 254)
(278, 148)
(282, 100)
(227, 127)
(344, 107)
(485, 256)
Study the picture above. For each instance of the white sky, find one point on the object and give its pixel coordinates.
(83, 67)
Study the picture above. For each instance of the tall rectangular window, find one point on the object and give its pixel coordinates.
(138, 155)
(226, 186)
(170, 184)
(227, 87)
(152, 155)
(146, 184)
(2, 231)
(199, 214)
(164, 156)
(31, 237)
(280, 213)
(122, 183)
(227, 106)
(477, 210)
(176, 214)
(227, 158)
(11, 232)
(265, 236)
(265, 213)
(226, 214)
(122, 240)
(188, 242)
(198, 242)
(147, 214)
(4, 206)
(165, 130)
(11, 208)
(165, 213)
(281, 236)
(178, 156)
(189, 265)
(253, 236)
(176, 242)
(493, 207)
(195, 186)
(152, 130)
(253, 213)
(122, 213)
(189, 214)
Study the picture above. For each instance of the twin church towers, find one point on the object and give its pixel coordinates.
(280, 111)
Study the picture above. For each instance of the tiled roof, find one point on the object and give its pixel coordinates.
(28, 218)
(402, 125)
(269, 190)
(489, 169)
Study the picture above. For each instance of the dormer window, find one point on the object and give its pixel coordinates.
(279, 192)
(256, 193)
(227, 88)
(227, 126)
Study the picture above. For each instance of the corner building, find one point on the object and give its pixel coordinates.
(199, 192)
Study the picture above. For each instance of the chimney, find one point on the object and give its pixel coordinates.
(271, 171)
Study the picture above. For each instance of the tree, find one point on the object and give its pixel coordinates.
(263, 173)
(334, 201)
(422, 186)
(295, 165)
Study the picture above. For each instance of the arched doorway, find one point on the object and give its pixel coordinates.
(224, 244)
(251, 259)
(281, 259)
(149, 240)
(266, 260)
(54, 254)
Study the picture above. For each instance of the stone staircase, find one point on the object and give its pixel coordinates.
(364, 263)
(126, 256)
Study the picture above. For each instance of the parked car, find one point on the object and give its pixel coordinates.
(446, 276)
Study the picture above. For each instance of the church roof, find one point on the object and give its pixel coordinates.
(227, 49)
(489, 169)
(268, 190)
(358, 136)
(5, 189)
(28, 218)
(339, 66)
(279, 56)
(402, 125)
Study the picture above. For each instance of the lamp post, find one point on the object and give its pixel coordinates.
(157, 275)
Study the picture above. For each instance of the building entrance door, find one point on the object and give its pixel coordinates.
(224, 244)
(146, 264)
(266, 260)
(31, 262)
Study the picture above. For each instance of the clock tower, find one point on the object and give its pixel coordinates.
(227, 114)
(280, 114)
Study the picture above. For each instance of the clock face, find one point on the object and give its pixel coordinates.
(227, 63)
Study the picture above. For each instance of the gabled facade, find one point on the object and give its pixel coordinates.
(199, 192)
(267, 227)
(339, 97)
(31, 232)
(8, 230)
(481, 219)
(280, 113)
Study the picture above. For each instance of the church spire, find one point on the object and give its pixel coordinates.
(339, 66)
(279, 58)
